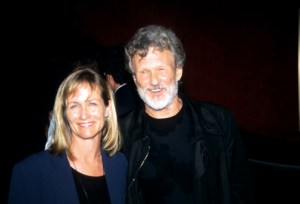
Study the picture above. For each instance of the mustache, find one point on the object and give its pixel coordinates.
(155, 87)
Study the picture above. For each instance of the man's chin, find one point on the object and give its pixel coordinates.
(156, 105)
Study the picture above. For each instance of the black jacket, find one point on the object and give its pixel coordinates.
(221, 171)
(126, 98)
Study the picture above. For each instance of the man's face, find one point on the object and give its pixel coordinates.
(156, 78)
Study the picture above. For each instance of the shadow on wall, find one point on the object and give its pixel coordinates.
(271, 149)
(275, 167)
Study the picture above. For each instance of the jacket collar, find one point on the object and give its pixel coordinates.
(64, 179)
(204, 121)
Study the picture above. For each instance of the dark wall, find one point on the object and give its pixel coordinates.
(242, 57)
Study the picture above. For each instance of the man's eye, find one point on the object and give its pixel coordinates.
(93, 104)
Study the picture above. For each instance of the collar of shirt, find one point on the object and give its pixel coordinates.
(120, 87)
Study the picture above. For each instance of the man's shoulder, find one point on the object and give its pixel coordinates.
(210, 106)
(211, 112)
(205, 106)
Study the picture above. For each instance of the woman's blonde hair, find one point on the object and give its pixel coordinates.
(110, 138)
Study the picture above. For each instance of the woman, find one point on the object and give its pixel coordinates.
(83, 164)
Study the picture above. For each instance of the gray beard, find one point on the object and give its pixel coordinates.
(160, 104)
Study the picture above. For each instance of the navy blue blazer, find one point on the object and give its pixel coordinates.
(45, 178)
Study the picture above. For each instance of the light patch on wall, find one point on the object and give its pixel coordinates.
(299, 69)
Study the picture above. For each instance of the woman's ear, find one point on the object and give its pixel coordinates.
(107, 109)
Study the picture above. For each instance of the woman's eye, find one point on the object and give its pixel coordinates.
(74, 106)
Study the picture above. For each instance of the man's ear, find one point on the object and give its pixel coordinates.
(109, 77)
(134, 78)
(110, 80)
(179, 72)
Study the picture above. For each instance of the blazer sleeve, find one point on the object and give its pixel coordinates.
(20, 192)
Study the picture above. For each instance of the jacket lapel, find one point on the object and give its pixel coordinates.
(201, 141)
(62, 176)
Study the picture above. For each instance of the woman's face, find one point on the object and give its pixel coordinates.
(86, 112)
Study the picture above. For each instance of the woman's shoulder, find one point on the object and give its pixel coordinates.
(35, 160)
(118, 157)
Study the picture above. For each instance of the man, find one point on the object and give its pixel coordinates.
(179, 150)
(112, 66)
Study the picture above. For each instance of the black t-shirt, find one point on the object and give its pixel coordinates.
(91, 189)
(167, 174)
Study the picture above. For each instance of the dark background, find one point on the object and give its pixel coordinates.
(240, 54)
